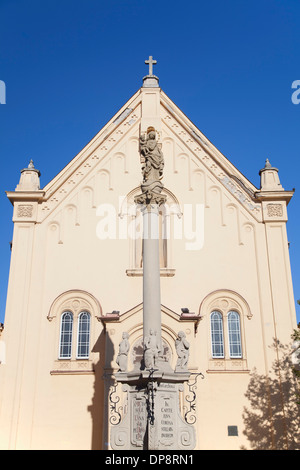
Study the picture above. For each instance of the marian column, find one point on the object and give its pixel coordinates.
(150, 199)
(153, 417)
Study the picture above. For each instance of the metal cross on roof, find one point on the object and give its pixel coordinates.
(151, 62)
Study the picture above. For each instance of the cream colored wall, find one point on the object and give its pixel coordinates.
(46, 403)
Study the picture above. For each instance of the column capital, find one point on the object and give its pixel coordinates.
(150, 201)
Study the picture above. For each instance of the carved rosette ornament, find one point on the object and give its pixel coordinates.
(152, 160)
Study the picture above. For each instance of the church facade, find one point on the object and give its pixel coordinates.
(76, 291)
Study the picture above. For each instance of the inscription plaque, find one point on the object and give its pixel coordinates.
(167, 430)
(167, 419)
(139, 420)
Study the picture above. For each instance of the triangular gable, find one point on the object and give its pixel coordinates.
(206, 156)
(123, 116)
(203, 152)
(195, 136)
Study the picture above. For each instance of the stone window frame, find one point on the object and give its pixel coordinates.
(225, 301)
(225, 331)
(76, 302)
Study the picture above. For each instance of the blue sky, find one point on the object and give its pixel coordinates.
(70, 65)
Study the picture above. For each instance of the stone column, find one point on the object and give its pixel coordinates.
(151, 286)
(151, 272)
(150, 199)
(153, 419)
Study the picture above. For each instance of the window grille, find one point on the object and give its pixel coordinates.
(234, 335)
(217, 342)
(83, 339)
(66, 328)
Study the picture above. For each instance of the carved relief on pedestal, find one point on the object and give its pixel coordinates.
(25, 210)
(274, 210)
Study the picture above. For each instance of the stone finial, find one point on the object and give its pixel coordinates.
(30, 179)
(269, 179)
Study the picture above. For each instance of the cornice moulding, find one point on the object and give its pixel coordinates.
(25, 196)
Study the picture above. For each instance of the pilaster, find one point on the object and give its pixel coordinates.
(280, 279)
(151, 109)
(16, 324)
(21, 351)
(274, 200)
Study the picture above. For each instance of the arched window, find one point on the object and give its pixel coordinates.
(234, 334)
(226, 314)
(170, 228)
(74, 314)
(217, 342)
(83, 338)
(66, 329)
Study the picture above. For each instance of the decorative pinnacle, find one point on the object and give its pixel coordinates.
(268, 164)
(31, 167)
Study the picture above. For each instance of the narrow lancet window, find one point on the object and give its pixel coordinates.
(83, 342)
(66, 329)
(234, 335)
(217, 343)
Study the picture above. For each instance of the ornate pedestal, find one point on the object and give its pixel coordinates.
(153, 419)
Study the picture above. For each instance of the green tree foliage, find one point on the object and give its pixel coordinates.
(296, 338)
(272, 418)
